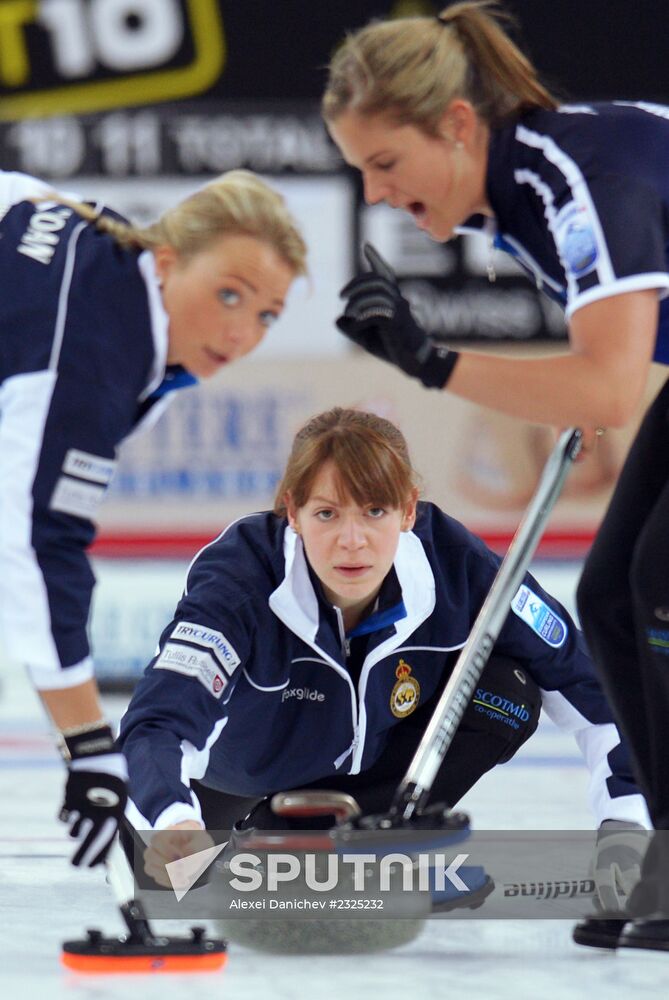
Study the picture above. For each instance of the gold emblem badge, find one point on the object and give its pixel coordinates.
(405, 696)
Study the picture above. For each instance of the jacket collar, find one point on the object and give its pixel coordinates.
(295, 602)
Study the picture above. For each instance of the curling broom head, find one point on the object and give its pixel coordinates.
(98, 954)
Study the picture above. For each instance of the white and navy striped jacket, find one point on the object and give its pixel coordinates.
(250, 692)
(581, 200)
(83, 348)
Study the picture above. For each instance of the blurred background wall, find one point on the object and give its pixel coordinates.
(141, 101)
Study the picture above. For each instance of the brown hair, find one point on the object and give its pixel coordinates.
(369, 453)
(412, 68)
(236, 203)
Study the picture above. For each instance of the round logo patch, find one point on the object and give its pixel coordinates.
(579, 248)
(405, 695)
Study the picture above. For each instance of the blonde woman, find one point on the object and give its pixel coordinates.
(446, 119)
(101, 321)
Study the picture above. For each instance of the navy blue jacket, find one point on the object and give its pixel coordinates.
(83, 348)
(581, 200)
(250, 692)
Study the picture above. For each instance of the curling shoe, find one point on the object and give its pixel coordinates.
(600, 932)
(650, 933)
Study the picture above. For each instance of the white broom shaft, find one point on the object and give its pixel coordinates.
(119, 874)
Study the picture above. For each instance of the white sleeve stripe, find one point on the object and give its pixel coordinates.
(659, 110)
(48, 679)
(595, 741)
(25, 617)
(546, 195)
(560, 710)
(178, 812)
(63, 297)
(576, 109)
(633, 283)
(194, 762)
(579, 187)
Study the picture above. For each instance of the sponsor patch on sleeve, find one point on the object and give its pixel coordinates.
(208, 638)
(190, 662)
(84, 465)
(541, 619)
(71, 496)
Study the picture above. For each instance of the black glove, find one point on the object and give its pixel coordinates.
(95, 793)
(378, 318)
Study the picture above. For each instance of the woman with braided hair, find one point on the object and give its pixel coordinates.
(100, 321)
(446, 119)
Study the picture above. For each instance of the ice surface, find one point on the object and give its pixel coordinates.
(44, 901)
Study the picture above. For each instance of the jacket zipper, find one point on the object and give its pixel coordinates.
(345, 644)
(346, 649)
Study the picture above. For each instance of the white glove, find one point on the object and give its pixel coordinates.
(619, 852)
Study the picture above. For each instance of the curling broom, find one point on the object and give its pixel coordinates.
(140, 950)
(407, 814)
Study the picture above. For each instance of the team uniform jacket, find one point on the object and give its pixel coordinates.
(83, 347)
(581, 200)
(250, 690)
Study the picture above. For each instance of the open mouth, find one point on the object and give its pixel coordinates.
(419, 211)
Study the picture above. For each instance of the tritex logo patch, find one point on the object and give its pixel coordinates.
(405, 696)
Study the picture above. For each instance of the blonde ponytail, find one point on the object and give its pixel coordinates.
(235, 203)
(412, 68)
(123, 233)
(503, 80)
